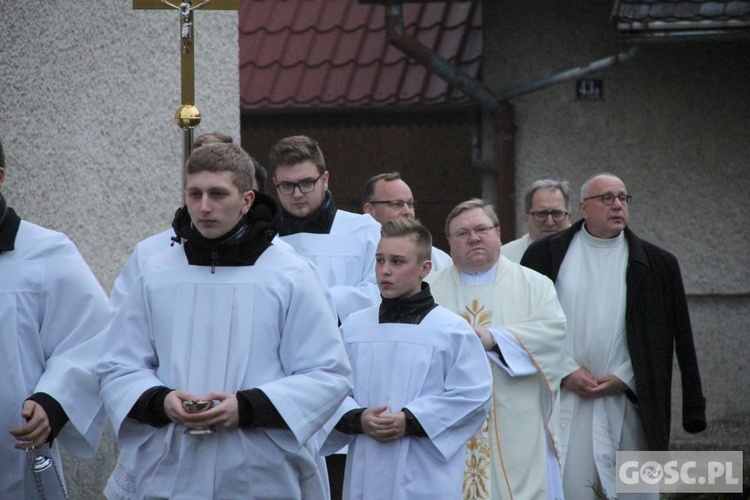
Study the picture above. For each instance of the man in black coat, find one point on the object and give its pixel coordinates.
(627, 314)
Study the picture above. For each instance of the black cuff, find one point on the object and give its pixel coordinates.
(496, 350)
(351, 422)
(694, 414)
(55, 413)
(256, 410)
(413, 427)
(149, 409)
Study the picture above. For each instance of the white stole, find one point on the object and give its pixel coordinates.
(592, 290)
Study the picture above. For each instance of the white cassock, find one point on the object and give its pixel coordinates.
(514, 250)
(440, 260)
(50, 305)
(265, 326)
(521, 310)
(346, 258)
(593, 430)
(436, 369)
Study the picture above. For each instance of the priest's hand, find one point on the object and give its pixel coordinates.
(608, 385)
(37, 429)
(580, 382)
(488, 341)
(225, 415)
(379, 425)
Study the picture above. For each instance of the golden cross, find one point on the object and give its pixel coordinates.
(187, 116)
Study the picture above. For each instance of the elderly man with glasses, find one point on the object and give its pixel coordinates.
(546, 212)
(386, 197)
(516, 314)
(626, 316)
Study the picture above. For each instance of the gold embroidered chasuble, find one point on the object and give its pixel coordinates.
(507, 458)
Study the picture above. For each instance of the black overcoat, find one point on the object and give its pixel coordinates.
(657, 324)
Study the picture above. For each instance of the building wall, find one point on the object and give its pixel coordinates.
(88, 93)
(673, 125)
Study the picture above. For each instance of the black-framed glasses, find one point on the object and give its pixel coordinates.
(609, 198)
(305, 185)
(395, 204)
(541, 215)
(464, 234)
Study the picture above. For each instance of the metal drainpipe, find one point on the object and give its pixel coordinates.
(496, 104)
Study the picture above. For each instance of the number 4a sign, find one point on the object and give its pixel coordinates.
(590, 89)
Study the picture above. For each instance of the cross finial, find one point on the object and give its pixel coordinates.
(187, 116)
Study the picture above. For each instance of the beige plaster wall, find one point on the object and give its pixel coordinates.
(87, 95)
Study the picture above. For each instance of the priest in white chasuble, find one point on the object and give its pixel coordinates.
(516, 314)
(422, 386)
(51, 306)
(229, 319)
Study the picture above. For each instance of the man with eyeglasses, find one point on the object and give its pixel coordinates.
(626, 315)
(516, 314)
(341, 244)
(546, 212)
(386, 197)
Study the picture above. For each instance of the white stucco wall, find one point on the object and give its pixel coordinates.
(88, 91)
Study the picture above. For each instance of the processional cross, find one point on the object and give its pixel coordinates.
(187, 116)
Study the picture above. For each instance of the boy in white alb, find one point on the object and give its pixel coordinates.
(422, 384)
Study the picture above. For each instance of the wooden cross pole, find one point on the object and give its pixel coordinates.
(187, 116)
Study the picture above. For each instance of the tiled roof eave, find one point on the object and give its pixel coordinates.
(691, 26)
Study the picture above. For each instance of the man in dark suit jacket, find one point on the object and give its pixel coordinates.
(627, 314)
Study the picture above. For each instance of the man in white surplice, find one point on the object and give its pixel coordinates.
(157, 243)
(340, 243)
(422, 386)
(51, 305)
(229, 318)
(627, 314)
(121, 477)
(546, 212)
(516, 314)
(387, 196)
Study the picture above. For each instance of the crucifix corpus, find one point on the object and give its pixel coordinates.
(187, 116)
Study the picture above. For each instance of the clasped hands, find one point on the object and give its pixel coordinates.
(224, 415)
(583, 383)
(381, 426)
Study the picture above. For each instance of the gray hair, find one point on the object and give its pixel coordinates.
(550, 184)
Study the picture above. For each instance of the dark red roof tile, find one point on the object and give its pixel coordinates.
(334, 54)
